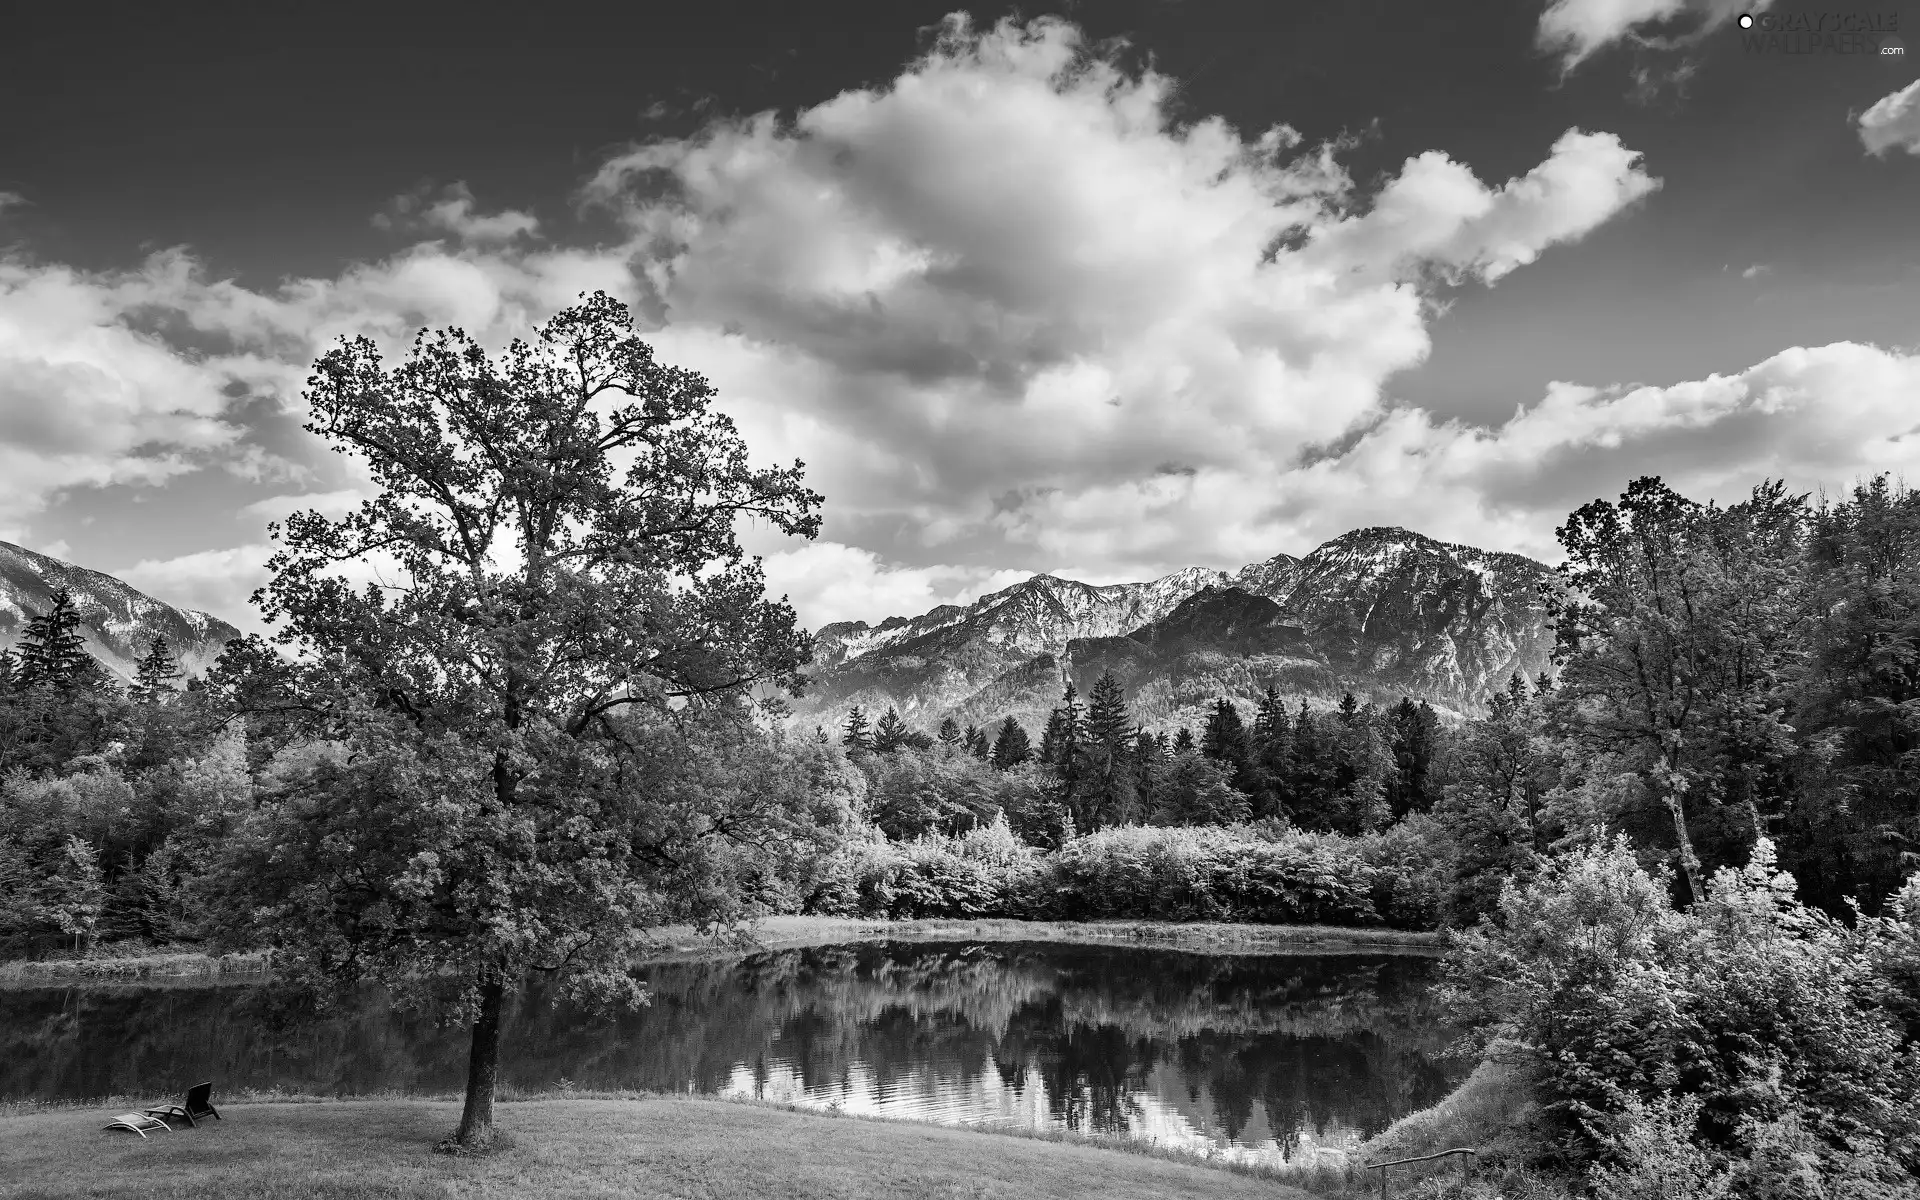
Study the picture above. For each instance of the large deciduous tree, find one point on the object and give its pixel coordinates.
(1675, 631)
(557, 582)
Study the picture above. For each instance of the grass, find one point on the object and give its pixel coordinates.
(1490, 1112)
(676, 943)
(586, 1147)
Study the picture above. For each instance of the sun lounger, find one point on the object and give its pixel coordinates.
(196, 1106)
(138, 1123)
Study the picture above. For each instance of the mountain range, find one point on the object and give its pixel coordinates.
(118, 622)
(1380, 612)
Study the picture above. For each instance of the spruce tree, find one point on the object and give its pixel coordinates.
(975, 742)
(1183, 741)
(857, 739)
(9, 671)
(1010, 746)
(52, 650)
(1413, 733)
(1108, 796)
(155, 673)
(890, 732)
(1271, 754)
(949, 733)
(1063, 749)
(1224, 739)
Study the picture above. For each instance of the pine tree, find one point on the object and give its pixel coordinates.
(974, 741)
(1224, 739)
(155, 673)
(9, 671)
(1414, 729)
(1350, 709)
(1063, 748)
(890, 732)
(950, 733)
(1109, 794)
(1183, 741)
(1271, 755)
(1010, 746)
(857, 739)
(52, 650)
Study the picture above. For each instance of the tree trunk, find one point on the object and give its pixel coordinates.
(483, 1071)
(1689, 861)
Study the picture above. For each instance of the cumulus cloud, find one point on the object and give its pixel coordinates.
(1013, 318)
(829, 582)
(213, 581)
(455, 211)
(1893, 123)
(89, 398)
(1008, 282)
(1575, 30)
(11, 200)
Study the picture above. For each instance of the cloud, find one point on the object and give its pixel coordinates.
(1010, 276)
(829, 582)
(1435, 211)
(1893, 123)
(1819, 417)
(1575, 30)
(213, 581)
(1756, 271)
(1011, 314)
(11, 200)
(456, 211)
(88, 397)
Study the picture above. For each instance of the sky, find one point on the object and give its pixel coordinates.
(1100, 289)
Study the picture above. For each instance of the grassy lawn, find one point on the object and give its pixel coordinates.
(665, 1147)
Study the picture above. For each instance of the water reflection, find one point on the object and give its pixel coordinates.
(1254, 1056)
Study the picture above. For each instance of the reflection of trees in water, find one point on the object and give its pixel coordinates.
(1344, 1041)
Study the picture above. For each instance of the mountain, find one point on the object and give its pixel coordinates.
(1379, 612)
(119, 623)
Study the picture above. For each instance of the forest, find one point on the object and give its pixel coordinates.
(1679, 872)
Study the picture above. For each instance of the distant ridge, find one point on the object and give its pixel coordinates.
(119, 621)
(1382, 612)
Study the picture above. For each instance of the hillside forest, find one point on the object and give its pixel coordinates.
(1678, 869)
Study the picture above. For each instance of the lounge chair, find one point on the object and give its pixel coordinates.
(138, 1123)
(197, 1106)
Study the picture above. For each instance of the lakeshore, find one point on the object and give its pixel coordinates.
(682, 943)
(664, 1146)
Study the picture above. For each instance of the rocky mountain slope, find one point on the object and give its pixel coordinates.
(120, 623)
(1380, 612)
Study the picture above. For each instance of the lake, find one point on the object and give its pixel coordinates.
(1258, 1057)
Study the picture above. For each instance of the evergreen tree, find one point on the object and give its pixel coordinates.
(857, 738)
(52, 650)
(1063, 751)
(950, 733)
(1414, 732)
(155, 673)
(9, 671)
(1271, 757)
(1183, 741)
(1010, 746)
(1109, 795)
(890, 732)
(975, 742)
(1224, 740)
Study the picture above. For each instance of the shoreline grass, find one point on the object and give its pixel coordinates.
(635, 1144)
(679, 944)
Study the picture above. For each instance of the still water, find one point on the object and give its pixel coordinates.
(1259, 1057)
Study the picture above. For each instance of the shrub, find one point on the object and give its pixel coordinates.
(1736, 1014)
(1207, 874)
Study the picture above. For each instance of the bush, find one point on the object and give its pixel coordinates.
(1207, 874)
(983, 872)
(1744, 1012)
